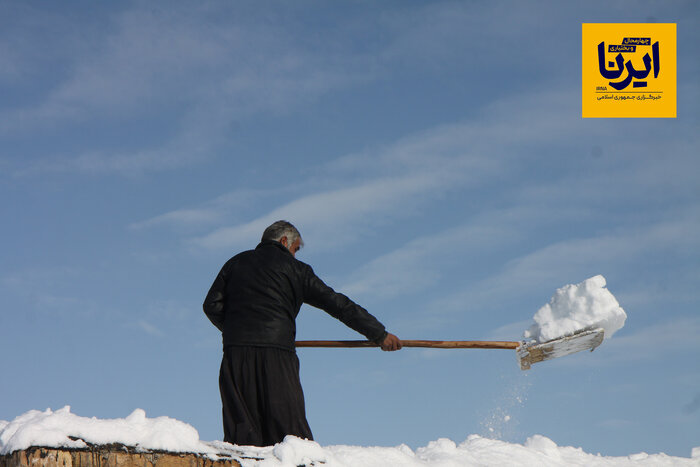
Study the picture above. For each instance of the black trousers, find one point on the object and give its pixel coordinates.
(261, 396)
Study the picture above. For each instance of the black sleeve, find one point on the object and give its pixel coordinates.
(214, 302)
(318, 294)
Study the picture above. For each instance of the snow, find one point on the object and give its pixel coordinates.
(64, 429)
(55, 429)
(573, 308)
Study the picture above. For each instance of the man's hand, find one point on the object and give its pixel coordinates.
(391, 343)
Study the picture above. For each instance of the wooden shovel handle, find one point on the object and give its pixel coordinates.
(417, 343)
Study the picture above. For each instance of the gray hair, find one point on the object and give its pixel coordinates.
(281, 229)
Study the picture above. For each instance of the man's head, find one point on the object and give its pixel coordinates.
(285, 233)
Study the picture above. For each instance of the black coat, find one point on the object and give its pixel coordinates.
(257, 295)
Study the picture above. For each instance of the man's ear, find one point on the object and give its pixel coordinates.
(284, 241)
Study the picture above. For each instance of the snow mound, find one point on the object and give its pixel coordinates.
(62, 429)
(297, 451)
(573, 308)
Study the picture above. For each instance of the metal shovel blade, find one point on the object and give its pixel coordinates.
(533, 353)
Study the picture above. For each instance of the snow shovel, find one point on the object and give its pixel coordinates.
(527, 353)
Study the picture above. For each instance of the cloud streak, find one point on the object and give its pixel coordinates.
(239, 65)
(212, 212)
(325, 214)
(221, 73)
(395, 180)
(573, 260)
(421, 263)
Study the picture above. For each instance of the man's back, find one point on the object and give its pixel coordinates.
(260, 296)
(256, 298)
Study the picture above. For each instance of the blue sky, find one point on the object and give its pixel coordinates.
(434, 158)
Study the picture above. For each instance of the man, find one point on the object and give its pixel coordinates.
(254, 302)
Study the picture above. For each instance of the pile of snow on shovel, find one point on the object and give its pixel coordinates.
(577, 307)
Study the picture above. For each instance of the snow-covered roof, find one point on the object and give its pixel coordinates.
(61, 428)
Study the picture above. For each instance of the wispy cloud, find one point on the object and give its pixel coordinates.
(393, 181)
(167, 318)
(148, 328)
(327, 214)
(419, 264)
(398, 180)
(49, 291)
(211, 212)
(186, 217)
(129, 163)
(220, 71)
(150, 54)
